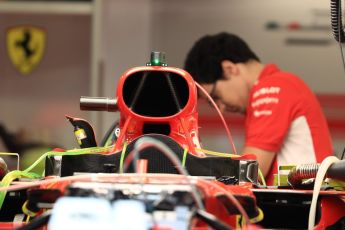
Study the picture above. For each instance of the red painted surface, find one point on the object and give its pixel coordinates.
(184, 124)
(10, 225)
(333, 209)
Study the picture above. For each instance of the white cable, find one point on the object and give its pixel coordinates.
(321, 173)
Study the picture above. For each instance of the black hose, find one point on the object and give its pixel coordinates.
(36, 223)
(307, 171)
(336, 21)
(337, 171)
(300, 172)
(211, 220)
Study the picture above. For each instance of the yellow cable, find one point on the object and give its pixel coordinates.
(258, 218)
(213, 153)
(122, 158)
(185, 151)
(27, 219)
(11, 176)
(209, 152)
(69, 152)
(15, 174)
(28, 212)
(262, 178)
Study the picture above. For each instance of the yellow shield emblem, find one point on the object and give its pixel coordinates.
(25, 47)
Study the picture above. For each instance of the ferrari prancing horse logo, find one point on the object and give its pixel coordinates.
(25, 47)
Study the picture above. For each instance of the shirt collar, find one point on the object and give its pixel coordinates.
(268, 70)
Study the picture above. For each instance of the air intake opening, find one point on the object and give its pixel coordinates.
(155, 94)
(156, 128)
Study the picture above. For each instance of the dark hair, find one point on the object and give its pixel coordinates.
(203, 61)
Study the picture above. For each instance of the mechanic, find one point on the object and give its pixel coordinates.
(284, 121)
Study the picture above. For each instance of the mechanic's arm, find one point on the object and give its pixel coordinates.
(264, 158)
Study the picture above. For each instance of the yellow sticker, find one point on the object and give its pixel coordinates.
(80, 135)
(25, 47)
(240, 221)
